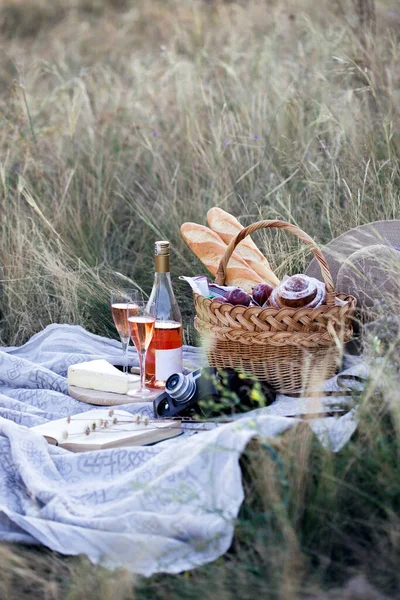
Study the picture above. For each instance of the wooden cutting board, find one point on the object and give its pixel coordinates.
(106, 398)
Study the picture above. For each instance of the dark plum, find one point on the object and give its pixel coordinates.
(238, 296)
(261, 293)
(221, 300)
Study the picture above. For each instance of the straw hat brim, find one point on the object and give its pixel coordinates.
(338, 251)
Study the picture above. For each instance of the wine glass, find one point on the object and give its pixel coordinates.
(141, 322)
(120, 300)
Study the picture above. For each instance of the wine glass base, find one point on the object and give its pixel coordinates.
(145, 395)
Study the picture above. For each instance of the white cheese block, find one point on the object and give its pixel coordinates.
(99, 375)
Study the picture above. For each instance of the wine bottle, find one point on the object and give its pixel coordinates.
(164, 356)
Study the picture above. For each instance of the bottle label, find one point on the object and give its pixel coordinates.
(168, 362)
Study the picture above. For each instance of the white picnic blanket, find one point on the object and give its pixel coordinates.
(163, 508)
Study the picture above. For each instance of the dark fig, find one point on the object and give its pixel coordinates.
(238, 296)
(261, 293)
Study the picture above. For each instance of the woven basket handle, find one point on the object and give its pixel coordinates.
(326, 274)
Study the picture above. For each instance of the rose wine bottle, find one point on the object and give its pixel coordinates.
(164, 356)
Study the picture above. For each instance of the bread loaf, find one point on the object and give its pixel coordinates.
(227, 227)
(209, 248)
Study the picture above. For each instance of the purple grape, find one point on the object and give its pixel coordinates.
(261, 293)
(238, 296)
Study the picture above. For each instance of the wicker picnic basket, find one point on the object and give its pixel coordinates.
(290, 348)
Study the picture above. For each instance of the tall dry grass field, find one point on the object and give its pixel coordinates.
(121, 119)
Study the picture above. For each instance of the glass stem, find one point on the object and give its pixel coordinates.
(125, 345)
(142, 363)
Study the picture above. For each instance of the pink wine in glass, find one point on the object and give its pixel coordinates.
(141, 321)
(119, 312)
(141, 331)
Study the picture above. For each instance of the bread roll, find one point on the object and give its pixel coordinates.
(209, 248)
(227, 227)
(298, 291)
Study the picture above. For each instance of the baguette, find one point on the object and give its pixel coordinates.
(227, 227)
(209, 248)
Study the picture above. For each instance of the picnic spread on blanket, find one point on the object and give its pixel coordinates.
(134, 467)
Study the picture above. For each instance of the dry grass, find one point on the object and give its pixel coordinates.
(118, 125)
(121, 119)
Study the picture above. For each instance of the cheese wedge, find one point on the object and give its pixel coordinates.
(99, 375)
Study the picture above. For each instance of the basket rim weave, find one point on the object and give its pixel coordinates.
(275, 326)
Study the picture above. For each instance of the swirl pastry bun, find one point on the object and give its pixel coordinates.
(298, 291)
